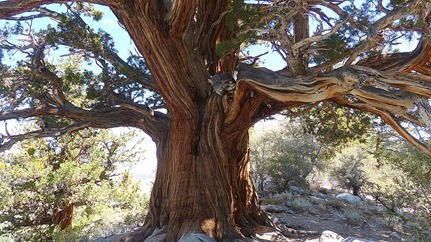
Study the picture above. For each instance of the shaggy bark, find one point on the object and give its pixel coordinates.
(202, 183)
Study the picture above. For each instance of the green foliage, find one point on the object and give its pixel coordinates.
(332, 48)
(336, 125)
(395, 173)
(92, 87)
(72, 30)
(44, 176)
(284, 155)
(238, 19)
(225, 47)
(409, 197)
(239, 16)
(348, 168)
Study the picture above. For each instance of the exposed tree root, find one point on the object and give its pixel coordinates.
(159, 235)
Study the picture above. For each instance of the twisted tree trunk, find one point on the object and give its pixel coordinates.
(203, 183)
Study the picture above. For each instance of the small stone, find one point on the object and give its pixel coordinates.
(394, 237)
(279, 220)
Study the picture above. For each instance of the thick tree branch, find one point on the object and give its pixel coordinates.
(389, 119)
(13, 7)
(362, 81)
(43, 12)
(57, 94)
(170, 60)
(181, 15)
(9, 141)
(382, 93)
(405, 62)
(155, 124)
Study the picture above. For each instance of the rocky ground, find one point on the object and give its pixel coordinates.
(333, 216)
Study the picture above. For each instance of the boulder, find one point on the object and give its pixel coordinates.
(319, 195)
(347, 197)
(159, 235)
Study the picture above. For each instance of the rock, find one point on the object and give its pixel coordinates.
(296, 190)
(270, 236)
(329, 236)
(132, 235)
(394, 237)
(279, 220)
(353, 239)
(319, 195)
(349, 198)
(194, 237)
(318, 199)
(276, 209)
(156, 238)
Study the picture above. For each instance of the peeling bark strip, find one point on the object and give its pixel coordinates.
(203, 183)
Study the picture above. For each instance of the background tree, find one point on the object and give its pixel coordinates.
(335, 52)
(259, 149)
(48, 184)
(284, 155)
(348, 169)
(409, 187)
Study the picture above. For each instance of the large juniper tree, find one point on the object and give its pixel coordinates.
(336, 53)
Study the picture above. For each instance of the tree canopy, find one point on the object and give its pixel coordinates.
(192, 87)
(343, 52)
(284, 155)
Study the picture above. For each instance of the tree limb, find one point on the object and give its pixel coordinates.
(154, 123)
(375, 91)
(373, 30)
(181, 15)
(107, 53)
(404, 62)
(9, 141)
(320, 37)
(13, 7)
(389, 119)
